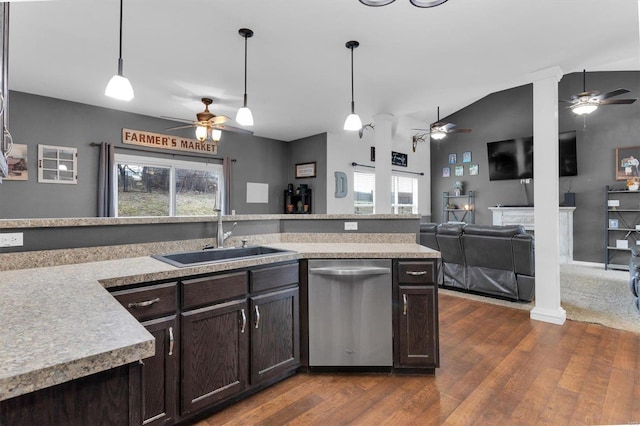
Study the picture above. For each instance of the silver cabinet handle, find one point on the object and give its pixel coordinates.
(144, 304)
(416, 273)
(405, 302)
(171, 341)
(244, 321)
(257, 316)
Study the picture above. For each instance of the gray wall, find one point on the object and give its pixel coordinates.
(508, 114)
(37, 120)
(307, 150)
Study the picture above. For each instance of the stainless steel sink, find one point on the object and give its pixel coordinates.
(204, 257)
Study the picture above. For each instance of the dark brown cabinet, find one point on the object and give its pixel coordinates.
(215, 343)
(275, 336)
(416, 343)
(159, 373)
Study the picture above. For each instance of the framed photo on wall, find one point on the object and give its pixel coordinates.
(466, 157)
(453, 159)
(473, 169)
(459, 170)
(627, 162)
(306, 170)
(446, 171)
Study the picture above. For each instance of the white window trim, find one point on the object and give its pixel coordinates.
(166, 163)
(74, 153)
(394, 205)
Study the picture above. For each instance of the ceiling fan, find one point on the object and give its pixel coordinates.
(588, 101)
(208, 125)
(437, 131)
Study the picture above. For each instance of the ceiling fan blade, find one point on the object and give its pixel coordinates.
(423, 130)
(617, 101)
(176, 119)
(219, 119)
(613, 93)
(567, 100)
(459, 131)
(448, 127)
(180, 127)
(227, 128)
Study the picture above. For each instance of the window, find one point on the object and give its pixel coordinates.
(161, 187)
(404, 195)
(58, 164)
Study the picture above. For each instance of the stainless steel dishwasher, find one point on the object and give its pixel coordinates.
(350, 320)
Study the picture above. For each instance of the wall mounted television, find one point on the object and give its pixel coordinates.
(513, 158)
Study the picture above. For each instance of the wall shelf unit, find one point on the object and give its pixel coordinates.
(622, 227)
(458, 208)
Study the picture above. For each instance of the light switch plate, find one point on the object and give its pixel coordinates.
(13, 239)
(351, 226)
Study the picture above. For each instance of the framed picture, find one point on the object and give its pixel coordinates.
(627, 162)
(473, 169)
(446, 171)
(372, 153)
(398, 159)
(466, 157)
(453, 159)
(459, 170)
(17, 161)
(613, 223)
(306, 170)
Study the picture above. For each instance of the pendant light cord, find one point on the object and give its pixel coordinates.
(353, 108)
(120, 47)
(245, 71)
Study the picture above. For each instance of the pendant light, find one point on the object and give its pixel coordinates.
(353, 121)
(119, 86)
(244, 116)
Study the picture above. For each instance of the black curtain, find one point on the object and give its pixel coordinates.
(106, 184)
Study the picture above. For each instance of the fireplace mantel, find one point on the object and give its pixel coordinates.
(524, 216)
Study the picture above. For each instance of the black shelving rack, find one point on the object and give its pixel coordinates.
(458, 213)
(622, 227)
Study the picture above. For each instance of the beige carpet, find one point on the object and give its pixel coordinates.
(587, 293)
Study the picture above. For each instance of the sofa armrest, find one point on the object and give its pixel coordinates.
(523, 246)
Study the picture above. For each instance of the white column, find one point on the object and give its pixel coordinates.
(383, 143)
(546, 196)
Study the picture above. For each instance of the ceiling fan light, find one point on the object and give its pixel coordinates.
(583, 108)
(120, 88)
(244, 116)
(353, 122)
(216, 135)
(376, 3)
(201, 133)
(438, 135)
(427, 3)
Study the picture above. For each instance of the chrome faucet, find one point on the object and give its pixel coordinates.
(222, 236)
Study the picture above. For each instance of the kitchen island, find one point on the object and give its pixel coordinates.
(65, 324)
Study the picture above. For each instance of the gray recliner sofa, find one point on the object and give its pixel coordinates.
(492, 260)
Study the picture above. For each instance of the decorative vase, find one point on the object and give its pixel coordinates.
(633, 187)
(456, 192)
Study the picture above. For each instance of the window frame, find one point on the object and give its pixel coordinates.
(172, 165)
(414, 190)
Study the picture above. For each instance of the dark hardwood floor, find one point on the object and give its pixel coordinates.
(498, 367)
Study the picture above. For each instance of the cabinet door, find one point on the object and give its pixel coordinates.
(214, 354)
(418, 327)
(159, 374)
(275, 334)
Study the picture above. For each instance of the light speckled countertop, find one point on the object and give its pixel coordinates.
(61, 324)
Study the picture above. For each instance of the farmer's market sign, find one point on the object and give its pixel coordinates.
(172, 142)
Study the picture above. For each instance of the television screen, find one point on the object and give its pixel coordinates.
(510, 159)
(513, 158)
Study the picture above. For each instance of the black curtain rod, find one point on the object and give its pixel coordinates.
(354, 164)
(158, 152)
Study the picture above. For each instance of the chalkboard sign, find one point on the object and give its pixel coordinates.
(398, 159)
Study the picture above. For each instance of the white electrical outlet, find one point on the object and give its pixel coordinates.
(351, 226)
(13, 239)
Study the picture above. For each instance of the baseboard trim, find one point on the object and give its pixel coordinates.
(553, 316)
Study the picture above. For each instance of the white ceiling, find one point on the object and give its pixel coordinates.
(410, 60)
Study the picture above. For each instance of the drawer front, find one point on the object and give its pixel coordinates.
(205, 291)
(149, 302)
(273, 277)
(417, 272)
